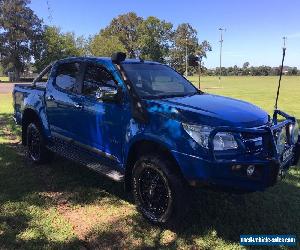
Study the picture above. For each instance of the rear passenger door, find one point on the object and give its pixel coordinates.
(63, 100)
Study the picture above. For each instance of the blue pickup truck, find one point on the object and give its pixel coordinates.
(144, 124)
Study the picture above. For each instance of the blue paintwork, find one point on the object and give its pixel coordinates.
(111, 128)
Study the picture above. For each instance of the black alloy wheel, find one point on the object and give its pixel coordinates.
(34, 143)
(37, 150)
(154, 193)
(158, 192)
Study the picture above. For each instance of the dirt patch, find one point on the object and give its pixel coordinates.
(84, 218)
(8, 134)
(6, 88)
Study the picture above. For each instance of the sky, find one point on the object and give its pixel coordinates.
(254, 28)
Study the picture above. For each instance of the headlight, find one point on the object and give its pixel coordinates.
(294, 132)
(222, 140)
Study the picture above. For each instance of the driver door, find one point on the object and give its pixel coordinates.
(103, 126)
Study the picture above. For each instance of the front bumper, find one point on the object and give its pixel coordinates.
(231, 171)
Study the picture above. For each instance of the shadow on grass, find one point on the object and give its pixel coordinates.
(214, 220)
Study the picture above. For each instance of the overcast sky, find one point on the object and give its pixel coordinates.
(254, 28)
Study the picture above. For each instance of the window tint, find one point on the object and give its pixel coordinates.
(95, 77)
(66, 76)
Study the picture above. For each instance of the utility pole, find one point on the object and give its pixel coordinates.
(199, 71)
(221, 46)
(284, 41)
(50, 17)
(186, 58)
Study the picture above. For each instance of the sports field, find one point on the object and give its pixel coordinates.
(65, 206)
(260, 90)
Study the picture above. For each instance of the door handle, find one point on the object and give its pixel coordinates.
(78, 106)
(50, 98)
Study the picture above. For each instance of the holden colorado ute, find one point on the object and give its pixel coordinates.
(142, 123)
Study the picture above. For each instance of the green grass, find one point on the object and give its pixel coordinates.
(65, 206)
(4, 78)
(260, 90)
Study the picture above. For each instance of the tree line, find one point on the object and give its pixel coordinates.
(247, 70)
(26, 43)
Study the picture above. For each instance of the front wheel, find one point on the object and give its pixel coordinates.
(36, 148)
(160, 194)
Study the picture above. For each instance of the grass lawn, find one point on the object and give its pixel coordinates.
(65, 206)
(4, 78)
(260, 90)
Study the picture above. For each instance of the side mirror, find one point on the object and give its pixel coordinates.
(108, 94)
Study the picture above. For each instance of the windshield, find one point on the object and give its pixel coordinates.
(157, 81)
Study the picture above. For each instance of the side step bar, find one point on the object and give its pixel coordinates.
(79, 155)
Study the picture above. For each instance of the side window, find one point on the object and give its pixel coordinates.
(66, 76)
(95, 77)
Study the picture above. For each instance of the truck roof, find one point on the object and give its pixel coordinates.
(104, 59)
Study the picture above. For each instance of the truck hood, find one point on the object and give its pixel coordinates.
(211, 110)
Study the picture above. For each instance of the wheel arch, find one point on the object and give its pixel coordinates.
(29, 116)
(147, 146)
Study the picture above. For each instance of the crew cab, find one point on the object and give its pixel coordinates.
(142, 123)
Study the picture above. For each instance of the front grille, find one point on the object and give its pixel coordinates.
(255, 143)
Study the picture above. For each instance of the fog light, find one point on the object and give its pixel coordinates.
(250, 170)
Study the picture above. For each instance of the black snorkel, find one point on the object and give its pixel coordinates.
(138, 107)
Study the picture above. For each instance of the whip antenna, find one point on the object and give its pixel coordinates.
(281, 70)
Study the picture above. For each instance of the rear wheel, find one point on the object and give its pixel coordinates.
(160, 194)
(36, 148)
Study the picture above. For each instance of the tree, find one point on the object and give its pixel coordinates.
(185, 37)
(19, 27)
(124, 27)
(246, 65)
(56, 45)
(1, 70)
(293, 71)
(82, 45)
(245, 69)
(202, 50)
(105, 46)
(154, 38)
